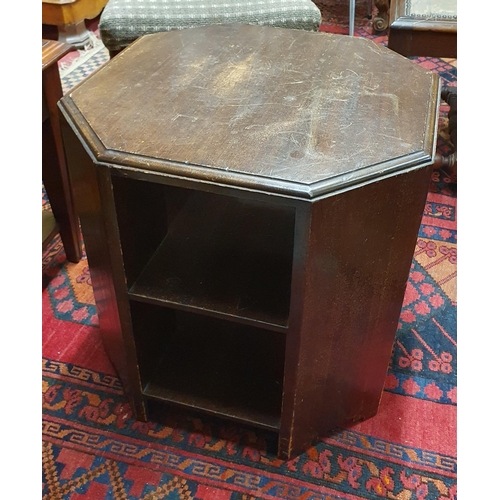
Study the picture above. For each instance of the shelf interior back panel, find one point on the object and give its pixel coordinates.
(226, 369)
(226, 255)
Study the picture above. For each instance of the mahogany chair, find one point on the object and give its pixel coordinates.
(62, 218)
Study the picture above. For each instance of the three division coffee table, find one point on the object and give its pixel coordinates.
(250, 199)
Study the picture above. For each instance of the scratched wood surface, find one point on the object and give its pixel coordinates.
(273, 311)
(280, 105)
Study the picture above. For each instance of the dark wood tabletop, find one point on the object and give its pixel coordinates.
(244, 105)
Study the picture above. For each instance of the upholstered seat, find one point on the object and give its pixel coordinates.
(123, 21)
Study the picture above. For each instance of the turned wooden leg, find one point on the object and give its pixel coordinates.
(381, 20)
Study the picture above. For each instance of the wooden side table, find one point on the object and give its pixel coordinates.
(63, 218)
(250, 199)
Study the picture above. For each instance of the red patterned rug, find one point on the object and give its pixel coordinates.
(93, 449)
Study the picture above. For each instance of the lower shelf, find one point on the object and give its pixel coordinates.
(206, 364)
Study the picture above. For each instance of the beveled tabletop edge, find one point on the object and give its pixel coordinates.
(419, 155)
(198, 173)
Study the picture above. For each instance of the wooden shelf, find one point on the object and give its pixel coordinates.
(214, 366)
(224, 257)
(250, 242)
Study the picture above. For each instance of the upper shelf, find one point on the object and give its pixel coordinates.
(225, 258)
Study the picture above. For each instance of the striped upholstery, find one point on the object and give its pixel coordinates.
(123, 21)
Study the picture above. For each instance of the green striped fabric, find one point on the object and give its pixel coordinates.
(123, 21)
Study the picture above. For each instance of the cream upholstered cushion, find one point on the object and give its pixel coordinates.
(432, 8)
(123, 21)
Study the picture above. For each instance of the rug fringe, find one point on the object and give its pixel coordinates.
(91, 48)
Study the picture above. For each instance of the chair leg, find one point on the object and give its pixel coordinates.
(352, 15)
(54, 169)
(381, 20)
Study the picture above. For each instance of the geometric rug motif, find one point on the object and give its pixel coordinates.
(446, 68)
(78, 65)
(68, 285)
(424, 358)
(94, 449)
(72, 298)
(72, 474)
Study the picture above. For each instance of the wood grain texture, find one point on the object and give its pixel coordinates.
(52, 51)
(54, 169)
(61, 12)
(310, 112)
(231, 371)
(94, 203)
(350, 282)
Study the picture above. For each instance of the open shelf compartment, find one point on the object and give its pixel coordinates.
(210, 365)
(194, 250)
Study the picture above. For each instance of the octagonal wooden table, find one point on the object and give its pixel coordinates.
(250, 199)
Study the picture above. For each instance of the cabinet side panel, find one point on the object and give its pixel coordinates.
(141, 209)
(359, 252)
(95, 206)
